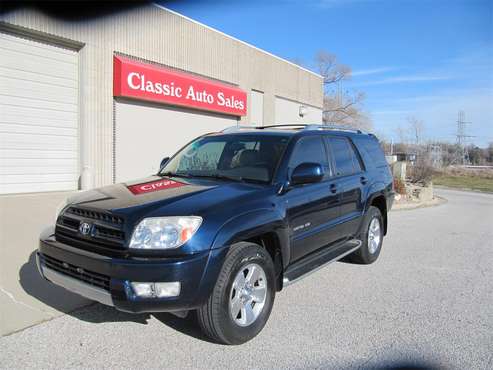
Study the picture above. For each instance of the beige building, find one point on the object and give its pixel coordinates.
(90, 102)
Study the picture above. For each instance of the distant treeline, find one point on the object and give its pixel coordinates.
(447, 152)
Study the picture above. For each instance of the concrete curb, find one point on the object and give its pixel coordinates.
(462, 189)
(436, 201)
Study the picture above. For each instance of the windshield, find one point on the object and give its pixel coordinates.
(234, 157)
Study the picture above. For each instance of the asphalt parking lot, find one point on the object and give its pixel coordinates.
(428, 300)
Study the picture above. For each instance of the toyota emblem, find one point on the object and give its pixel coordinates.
(84, 228)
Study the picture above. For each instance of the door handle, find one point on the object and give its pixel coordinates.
(363, 180)
(333, 188)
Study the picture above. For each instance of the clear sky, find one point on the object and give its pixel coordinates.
(422, 58)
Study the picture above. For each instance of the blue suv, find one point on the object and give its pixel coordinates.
(229, 220)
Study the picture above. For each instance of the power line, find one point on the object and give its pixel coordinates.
(461, 156)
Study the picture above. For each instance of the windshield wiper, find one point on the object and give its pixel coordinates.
(215, 176)
(231, 178)
(173, 174)
(221, 177)
(254, 181)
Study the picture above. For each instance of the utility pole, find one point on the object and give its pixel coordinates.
(461, 156)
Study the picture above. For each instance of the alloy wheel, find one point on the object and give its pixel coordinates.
(374, 235)
(248, 294)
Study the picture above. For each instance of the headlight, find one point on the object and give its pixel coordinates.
(164, 232)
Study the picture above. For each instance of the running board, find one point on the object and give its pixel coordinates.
(317, 260)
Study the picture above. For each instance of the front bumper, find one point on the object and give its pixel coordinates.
(107, 280)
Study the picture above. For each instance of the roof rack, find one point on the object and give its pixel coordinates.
(237, 128)
(338, 127)
(288, 125)
(299, 126)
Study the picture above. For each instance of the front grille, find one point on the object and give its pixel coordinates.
(89, 277)
(106, 232)
(95, 215)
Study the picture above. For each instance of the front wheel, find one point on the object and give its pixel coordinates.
(242, 299)
(371, 238)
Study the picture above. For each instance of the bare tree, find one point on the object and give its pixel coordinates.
(402, 135)
(342, 108)
(331, 70)
(416, 128)
(488, 154)
(411, 136)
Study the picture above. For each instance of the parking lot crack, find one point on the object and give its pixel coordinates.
(13, 299)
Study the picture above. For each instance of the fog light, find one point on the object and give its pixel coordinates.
(156, 290)
(143, 289)
(167, 289)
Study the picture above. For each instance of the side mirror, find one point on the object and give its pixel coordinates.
(307, 173)
(163, 162)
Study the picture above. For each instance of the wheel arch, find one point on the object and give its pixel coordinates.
(270, 241)
(264, 227)
(378, 200)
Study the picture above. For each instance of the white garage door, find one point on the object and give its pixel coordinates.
(38, 116)
(144, 135)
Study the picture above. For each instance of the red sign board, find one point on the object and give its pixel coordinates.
(142, 81)
(149, 187)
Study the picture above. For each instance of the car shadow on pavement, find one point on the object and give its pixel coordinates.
(67, 302)
(74, 305)
(187, 325)
(99, 313)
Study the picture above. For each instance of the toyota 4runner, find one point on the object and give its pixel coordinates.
(229, 220)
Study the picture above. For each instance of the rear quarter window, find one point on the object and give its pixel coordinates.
(345, 159)
(371, 151)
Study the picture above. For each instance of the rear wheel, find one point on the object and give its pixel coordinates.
(371, 238)
(242, 299)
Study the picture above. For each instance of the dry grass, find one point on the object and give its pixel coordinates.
(484, 173)
(465, 178)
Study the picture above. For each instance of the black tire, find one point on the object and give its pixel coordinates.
(214, 316)
(363, 255)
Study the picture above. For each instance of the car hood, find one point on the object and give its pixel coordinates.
(161, 196)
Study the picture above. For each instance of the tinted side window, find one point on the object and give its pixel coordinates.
(357, 161)
(309, 149)
(373, 150)
(346, 160)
